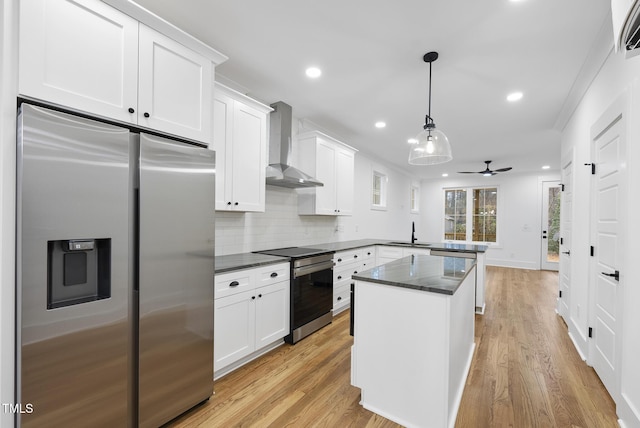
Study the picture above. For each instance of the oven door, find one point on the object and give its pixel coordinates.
(311, 293)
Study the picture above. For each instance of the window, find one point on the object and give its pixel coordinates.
(379, 191)
(415, 198)
(455, 214)
(480, 224)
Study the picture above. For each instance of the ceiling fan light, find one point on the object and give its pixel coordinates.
(432, 148)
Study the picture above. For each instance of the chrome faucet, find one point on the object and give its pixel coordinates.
(413, 232)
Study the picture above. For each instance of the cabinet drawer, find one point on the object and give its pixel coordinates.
(272, 274)
(345, 272)
(341, 296)
(346, 257)
(231, 283)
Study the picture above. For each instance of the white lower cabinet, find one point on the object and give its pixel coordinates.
(251, 313)
(348, 263)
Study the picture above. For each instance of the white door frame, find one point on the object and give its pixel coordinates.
(567, 174)
(546, 237)
(609, 370)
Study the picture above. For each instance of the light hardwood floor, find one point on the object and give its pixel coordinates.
(525, 373)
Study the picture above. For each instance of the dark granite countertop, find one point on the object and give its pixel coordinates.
(434, 274)
(441, 246)
(240, 261)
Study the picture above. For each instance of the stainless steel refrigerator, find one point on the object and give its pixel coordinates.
(114, 274)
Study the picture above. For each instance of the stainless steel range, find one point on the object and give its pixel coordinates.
(311, 289)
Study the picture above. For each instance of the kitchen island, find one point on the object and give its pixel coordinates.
(414, 338)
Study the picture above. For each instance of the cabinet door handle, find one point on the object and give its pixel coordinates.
(355, 256)
(253, 297)
(131, 110)
(339, 260)
(259, 295)
(229, 203)
(146, 114)
(236, 204)
(339, 277)
(234, 284)
(355, 272)
(274, 274)
(615, 275)
(339, 298)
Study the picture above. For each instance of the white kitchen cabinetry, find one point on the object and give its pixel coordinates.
(348, 263)
(240, 142)
(87, 56)
(332, 163)
(386, 254)
(251, 313)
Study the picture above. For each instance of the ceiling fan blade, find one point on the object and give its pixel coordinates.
(502, 169)
(470, 172)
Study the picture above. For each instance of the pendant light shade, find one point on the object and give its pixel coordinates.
(432, 145)
(432, 148)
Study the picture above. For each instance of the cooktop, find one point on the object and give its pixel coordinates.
(294, 252)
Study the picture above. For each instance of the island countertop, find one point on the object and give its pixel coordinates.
(434, 274)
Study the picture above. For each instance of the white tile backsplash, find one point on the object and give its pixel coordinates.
(279, 226)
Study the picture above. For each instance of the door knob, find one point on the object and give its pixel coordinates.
(568, 253)
(615, 275)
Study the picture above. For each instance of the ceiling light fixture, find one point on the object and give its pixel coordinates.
(380, 124)
(546, 167)
(313, 72)
(514, 96)
(433, 146)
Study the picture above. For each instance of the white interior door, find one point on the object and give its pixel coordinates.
(550, 248)
(566, 226)
(608, 154)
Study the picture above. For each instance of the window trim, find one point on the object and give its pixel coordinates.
(469, 214)
(414, 208)
(384, 186)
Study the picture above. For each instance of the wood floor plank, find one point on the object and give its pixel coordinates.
(525, 373)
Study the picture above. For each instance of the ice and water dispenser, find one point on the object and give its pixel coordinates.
(79, 271)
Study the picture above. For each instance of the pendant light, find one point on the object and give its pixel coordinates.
(431, 146)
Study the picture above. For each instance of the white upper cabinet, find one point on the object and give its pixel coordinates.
(240, 142)
(79, 54)
(87, 56)
(332, 163)
(174, 87)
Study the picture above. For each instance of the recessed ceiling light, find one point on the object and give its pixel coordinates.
(313, 72)
(445, 175)
(546, 167)
(412, 141)
(380, 124)
(514, 96)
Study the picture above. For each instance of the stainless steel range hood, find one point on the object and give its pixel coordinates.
(280, 172)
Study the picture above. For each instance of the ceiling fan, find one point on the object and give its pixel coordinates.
(487, 172)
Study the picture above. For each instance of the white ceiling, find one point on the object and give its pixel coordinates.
(370, 53)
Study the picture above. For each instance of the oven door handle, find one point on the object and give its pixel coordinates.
(305, 270)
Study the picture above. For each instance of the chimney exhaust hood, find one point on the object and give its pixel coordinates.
(280, 172)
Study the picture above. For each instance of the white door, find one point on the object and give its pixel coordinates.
(326, 174)
(248, 158)
(234, 328)
(174, 87)
(272, 313)
(605, 290)
(550, 248)
(80, 54)
(344, 181)
(566, 215)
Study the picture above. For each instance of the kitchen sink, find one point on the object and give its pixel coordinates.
(409, 244)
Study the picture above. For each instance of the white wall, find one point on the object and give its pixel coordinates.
(8, 79)
(519, 215)
(281, 226)
(617, 76)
